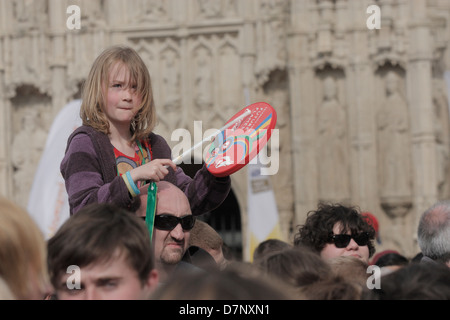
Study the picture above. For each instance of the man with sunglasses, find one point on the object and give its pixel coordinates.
(335, 230)
(172, 226)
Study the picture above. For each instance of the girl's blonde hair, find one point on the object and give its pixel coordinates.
(93, 97)
(23, 252)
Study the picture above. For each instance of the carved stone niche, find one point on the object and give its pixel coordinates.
(332, 136)
(393, 142)
(29, 119)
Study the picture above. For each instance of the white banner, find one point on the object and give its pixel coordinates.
(263, 219)
(48, 202)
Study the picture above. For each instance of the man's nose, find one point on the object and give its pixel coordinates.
(177, 232)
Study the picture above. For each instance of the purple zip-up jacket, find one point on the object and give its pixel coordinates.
(90, 173)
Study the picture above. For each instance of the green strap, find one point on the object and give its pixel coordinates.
(151, 208)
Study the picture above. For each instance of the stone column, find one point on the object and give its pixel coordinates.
(419, 81)
(58, 64)
(4, 127)
(182, 20)
(303, 118)
(248, 58)
(360, 84)
(116, 20)
(5, 109)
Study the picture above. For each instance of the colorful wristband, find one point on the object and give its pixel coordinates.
(130, 190)
(132, 184)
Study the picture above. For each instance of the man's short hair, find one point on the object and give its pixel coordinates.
(93, 234)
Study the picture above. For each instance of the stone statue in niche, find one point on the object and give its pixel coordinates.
(150, 11)
(229, 77)
(30, 17)
(203, 80)
(276, 94)
(440, 104)
(270, 38)
(92, 14)
(171, 81)
(394, 144)
(229, 8)
(210, 8)
(333, 147)
(29, 14)
(27, 147)
(148, 58)
(170, 89)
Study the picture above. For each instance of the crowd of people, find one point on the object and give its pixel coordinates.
(134, 232)
(104, 252)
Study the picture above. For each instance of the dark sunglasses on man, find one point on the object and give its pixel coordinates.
(342, 240)
(168, 222)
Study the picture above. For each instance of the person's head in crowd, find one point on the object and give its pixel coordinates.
(373, 221)
(433, 233)
(389, 260)
(417, 257)
(294, 266)
(269, 246)
(239, 281)
(333, 288)
(102, 253)
(172, 226)
(350, 268)
(205, 237)
(200, 258)
(336, 230)
(23, 253)
(415, 281)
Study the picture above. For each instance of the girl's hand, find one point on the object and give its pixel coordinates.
(155, 170)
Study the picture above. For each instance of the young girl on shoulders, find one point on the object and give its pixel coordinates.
(114, 154)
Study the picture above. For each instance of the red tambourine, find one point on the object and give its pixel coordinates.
(244, 136)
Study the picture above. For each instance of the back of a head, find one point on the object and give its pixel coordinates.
(268, 246)
(297, 267)
(237, 282)
(94, 234)
(416, 281)
(22, 252)
(433, 234)
(390, 258)
(333, 288)
(350, 268)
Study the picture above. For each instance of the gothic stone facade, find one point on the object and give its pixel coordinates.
(362, 113)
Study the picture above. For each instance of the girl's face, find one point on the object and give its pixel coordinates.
(352, 249)
(122, 100)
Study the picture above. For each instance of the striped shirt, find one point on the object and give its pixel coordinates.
(90, 172)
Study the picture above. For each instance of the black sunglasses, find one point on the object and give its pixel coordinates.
(342, 240)
(169, 222)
